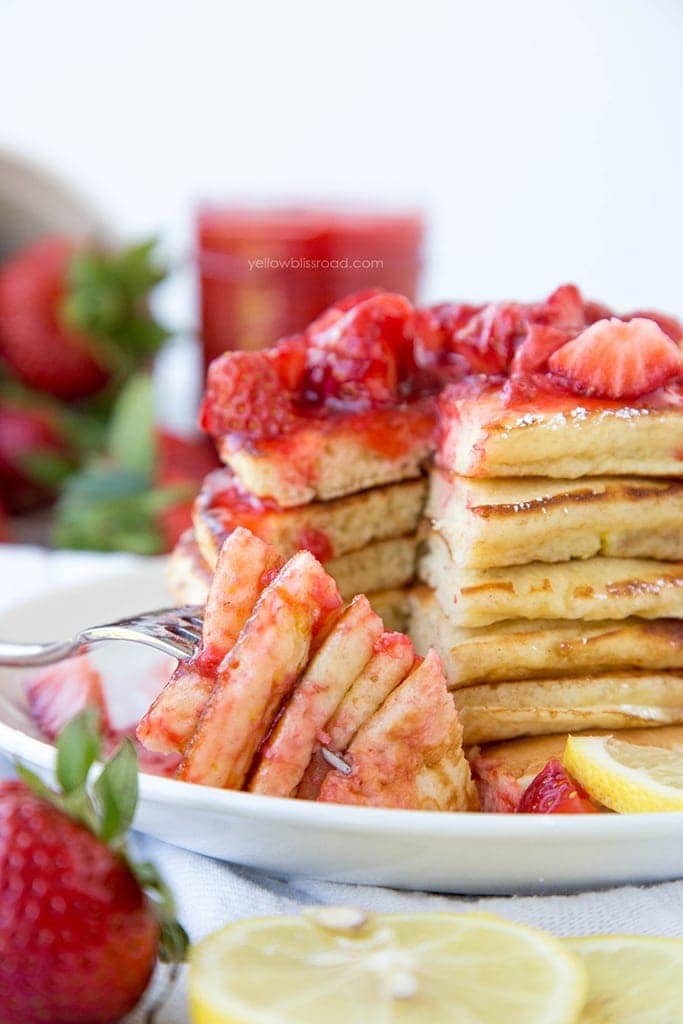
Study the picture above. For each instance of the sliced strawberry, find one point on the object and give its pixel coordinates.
(669, 324)
(249, 394)
(334, 312)
(59, 692)
(618, 359)
(553, 791)
(488, 340)
(596, 311)
(435, 329)
(535, 350)
(360, 356)
(550, 324)
(564, 309)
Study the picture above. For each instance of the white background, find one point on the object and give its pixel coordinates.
(543, 137)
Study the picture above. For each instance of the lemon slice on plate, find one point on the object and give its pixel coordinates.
(626, 777)
(338, 965)
(631, 979)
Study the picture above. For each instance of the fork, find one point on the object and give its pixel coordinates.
(174, 631)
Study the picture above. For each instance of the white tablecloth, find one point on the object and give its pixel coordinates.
(211, 894)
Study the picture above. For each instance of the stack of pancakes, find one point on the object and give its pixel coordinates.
(552, 565)
(365, 536)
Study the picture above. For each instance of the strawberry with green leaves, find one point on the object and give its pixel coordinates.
(81, 923)
(74, 318)
(36, 452)
(137, 496)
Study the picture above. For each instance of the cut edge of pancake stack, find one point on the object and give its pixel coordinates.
(555, 603)
(286, 666)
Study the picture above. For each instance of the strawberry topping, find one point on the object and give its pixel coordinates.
(563, 310)
(539, 344)
(373, 351)
(59, 692)
(249, 394)
(498, 337)
(553, 791)
(669, 324)
(618, 359)
(358, 356)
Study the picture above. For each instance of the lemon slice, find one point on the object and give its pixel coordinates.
(631, 979)
(336, 965)
(626, 777)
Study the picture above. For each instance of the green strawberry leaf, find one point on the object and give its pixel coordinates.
(107, 301)
(36, 784)
(174, 942)
(173, 939)
(46, 467)
(116, 792)
(78, 747)
(106, 508)
(130, 439)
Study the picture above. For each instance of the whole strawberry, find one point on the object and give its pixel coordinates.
(80, 923)
(36, 454)
(73, 317)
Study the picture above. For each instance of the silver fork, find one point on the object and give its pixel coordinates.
(174, 631)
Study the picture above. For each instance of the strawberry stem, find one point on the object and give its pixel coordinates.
(107, 301)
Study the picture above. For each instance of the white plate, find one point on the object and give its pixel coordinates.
(465, 853)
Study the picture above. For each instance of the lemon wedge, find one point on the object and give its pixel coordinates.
(338, 965)
(626, 777)
(631, 979)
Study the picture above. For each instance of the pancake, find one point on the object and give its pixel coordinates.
(384, 566)
(292, 616)
(502, 771)
(594, 589)
(245, 566)
(188, 576)
(392, 660)
(188, 579)
(529, 428)
(409, 753)
(326, 528)
(500, 711)
(528, 649)
(336, 456)
(285, 754)
(490, 523)
(392, 607)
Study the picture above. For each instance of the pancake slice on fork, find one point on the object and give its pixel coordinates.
(260, 672)
(283, 757)
(408, 754)
(244, 567)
